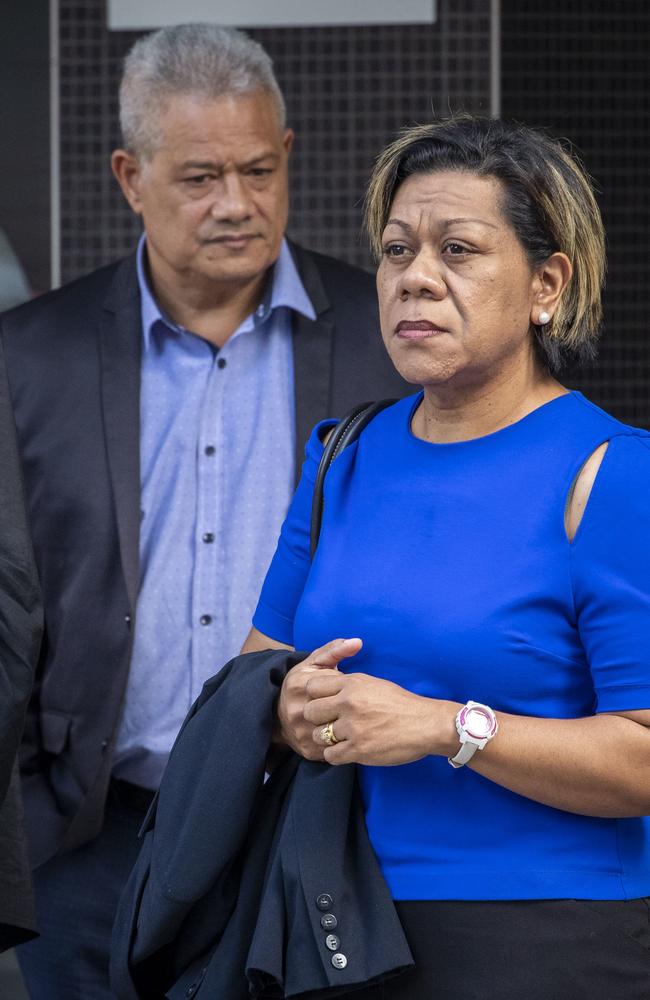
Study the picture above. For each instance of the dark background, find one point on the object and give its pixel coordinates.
(576, 67)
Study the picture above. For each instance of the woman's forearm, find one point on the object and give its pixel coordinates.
(596, 766)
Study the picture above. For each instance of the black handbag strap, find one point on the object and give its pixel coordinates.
(346, 431)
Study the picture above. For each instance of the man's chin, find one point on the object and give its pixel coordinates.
(237, 267)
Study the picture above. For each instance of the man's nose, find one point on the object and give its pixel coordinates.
(232, 203)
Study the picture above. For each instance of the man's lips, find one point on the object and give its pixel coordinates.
(232, 239)
(417, 329)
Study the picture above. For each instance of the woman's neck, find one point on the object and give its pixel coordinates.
(452, 413)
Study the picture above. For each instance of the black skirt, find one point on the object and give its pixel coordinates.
(558, 949)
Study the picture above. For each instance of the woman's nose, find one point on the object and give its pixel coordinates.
(423, 277)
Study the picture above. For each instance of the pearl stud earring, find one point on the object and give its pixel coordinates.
(544, 318)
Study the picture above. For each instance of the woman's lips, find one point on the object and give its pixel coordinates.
(417, 329)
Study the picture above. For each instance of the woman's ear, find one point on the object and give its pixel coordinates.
(550, 281)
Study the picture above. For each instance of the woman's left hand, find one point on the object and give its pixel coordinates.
(377, 722)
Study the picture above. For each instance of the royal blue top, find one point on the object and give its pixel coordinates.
(451, 562)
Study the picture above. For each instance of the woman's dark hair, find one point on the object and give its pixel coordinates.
(548, 200)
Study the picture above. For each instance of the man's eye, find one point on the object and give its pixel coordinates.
(260, 171)
(197, 179)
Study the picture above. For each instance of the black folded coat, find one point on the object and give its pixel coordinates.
(251, 888)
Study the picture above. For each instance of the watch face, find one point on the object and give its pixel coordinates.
(477, 722)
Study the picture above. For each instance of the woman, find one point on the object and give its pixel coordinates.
(487, 541)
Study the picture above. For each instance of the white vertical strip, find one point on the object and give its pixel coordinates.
(495, 58)
(55, 149)
(125, 15)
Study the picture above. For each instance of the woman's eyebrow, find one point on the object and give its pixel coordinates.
(445, 225)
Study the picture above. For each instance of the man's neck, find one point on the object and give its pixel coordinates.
(208, 309)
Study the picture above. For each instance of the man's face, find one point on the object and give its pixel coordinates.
(214, 195)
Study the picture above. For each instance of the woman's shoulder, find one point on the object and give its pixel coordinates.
(394, 415)
(611, 426)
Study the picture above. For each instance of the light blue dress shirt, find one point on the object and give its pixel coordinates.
(217, 474)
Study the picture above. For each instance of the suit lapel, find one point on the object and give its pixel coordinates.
(120, 346)
(312, 355)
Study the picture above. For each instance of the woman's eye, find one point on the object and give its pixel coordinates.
(395, 250)
(455, 249)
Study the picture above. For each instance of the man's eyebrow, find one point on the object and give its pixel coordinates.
(199, 165)
(446, 224)
(213, 165)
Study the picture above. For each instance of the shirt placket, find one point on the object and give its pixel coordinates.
(207, 604)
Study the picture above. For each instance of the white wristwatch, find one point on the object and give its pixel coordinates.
(476, 725)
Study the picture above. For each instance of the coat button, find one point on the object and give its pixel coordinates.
(191, 990)
(324, 901)
(332, 942)
(339, 961)
(328, 922)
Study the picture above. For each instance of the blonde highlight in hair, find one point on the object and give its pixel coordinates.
(548, 200)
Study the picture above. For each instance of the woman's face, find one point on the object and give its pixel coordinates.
(455, 288)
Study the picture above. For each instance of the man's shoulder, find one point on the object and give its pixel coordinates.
(75, 297)
(339, 279)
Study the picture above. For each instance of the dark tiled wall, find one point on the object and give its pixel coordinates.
(348, 90)
(580, 68)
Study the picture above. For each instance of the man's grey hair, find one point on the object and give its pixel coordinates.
(202, 60)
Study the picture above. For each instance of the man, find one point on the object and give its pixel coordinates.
(162, 405)
(20, 635)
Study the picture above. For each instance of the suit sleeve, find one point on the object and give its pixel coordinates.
(20, 602)
(611, 577)
(285, 580)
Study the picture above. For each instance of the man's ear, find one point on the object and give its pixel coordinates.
(287, 141)
(550, 281)
(127, 171)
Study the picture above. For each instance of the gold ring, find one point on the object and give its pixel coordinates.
(327, 735)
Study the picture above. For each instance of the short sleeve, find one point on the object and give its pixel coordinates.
(610, 558)
(285, 580)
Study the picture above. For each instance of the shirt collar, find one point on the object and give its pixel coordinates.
(284, 288)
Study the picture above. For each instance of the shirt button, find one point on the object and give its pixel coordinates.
(339, 961)
(206, 619)
(328, 922)
(221, 363)
(332, 942)
(324, 901)
(209, 449)
(208, 537)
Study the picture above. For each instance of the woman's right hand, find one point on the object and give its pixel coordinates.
(293, 729)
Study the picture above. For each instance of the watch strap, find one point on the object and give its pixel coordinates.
(464, 755)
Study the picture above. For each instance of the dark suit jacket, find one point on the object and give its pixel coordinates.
(20, 634)
(234, 876)
(73, 361)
